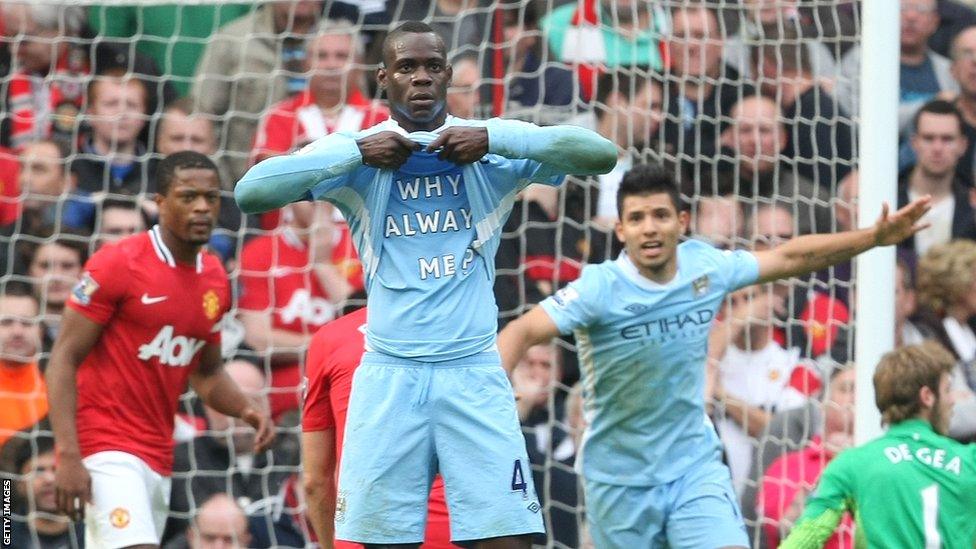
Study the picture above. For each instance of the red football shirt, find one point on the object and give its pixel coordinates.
(296, 121)
(333, 356)
(157, 315)
(276, 276)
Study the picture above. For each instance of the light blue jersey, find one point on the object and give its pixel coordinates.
(427, 233)
(642, 349)
(431, 296)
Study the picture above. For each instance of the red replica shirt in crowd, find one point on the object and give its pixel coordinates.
(333, 356)
(296, 121)
(276, 276)
(157, 315)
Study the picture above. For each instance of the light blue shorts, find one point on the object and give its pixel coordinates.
(409, 420)
(696, 511)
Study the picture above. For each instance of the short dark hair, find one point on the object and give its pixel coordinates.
(644, 179)
(514, 10)
(783, 46)
(66, 237)
(410, 27)
(940, 107)
(26, 450)
(183, 160)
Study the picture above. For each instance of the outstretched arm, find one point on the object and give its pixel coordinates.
(814, 252)
(532, 328)
(565, 149)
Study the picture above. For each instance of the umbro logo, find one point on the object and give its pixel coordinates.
(146, 300)
(637, 308)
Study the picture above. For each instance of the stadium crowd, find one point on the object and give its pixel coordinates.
(752, 104)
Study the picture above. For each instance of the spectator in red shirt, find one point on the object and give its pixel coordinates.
(332, 102)
(291, 283)
(333, 356)
(46, 88)
(792, 476)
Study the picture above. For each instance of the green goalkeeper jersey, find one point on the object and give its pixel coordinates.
(911, 488)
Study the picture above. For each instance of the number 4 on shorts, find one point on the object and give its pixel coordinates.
(518, 478)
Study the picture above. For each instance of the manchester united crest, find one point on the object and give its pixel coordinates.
(119, 517)
(211, 304)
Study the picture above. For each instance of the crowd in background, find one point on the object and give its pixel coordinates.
(752, 105)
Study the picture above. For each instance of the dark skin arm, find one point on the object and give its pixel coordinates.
(76, 339)
(386, 150)
(218, 391)
(461, 145)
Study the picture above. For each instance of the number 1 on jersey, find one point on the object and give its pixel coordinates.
(930, 517)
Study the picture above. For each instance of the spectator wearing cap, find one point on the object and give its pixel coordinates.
(250, 64)
(47, 86)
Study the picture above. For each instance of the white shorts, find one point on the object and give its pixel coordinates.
(130, 501)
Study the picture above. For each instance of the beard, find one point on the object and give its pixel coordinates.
(940, 419)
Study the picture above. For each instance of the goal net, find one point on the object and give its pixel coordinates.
(750, 105)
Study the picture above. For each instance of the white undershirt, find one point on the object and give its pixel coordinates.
(940, 216)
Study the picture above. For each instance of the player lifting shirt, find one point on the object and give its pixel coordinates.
(426, 195)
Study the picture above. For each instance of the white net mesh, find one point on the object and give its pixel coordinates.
(664, 80)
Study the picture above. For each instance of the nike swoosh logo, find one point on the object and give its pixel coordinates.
(146, 300)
